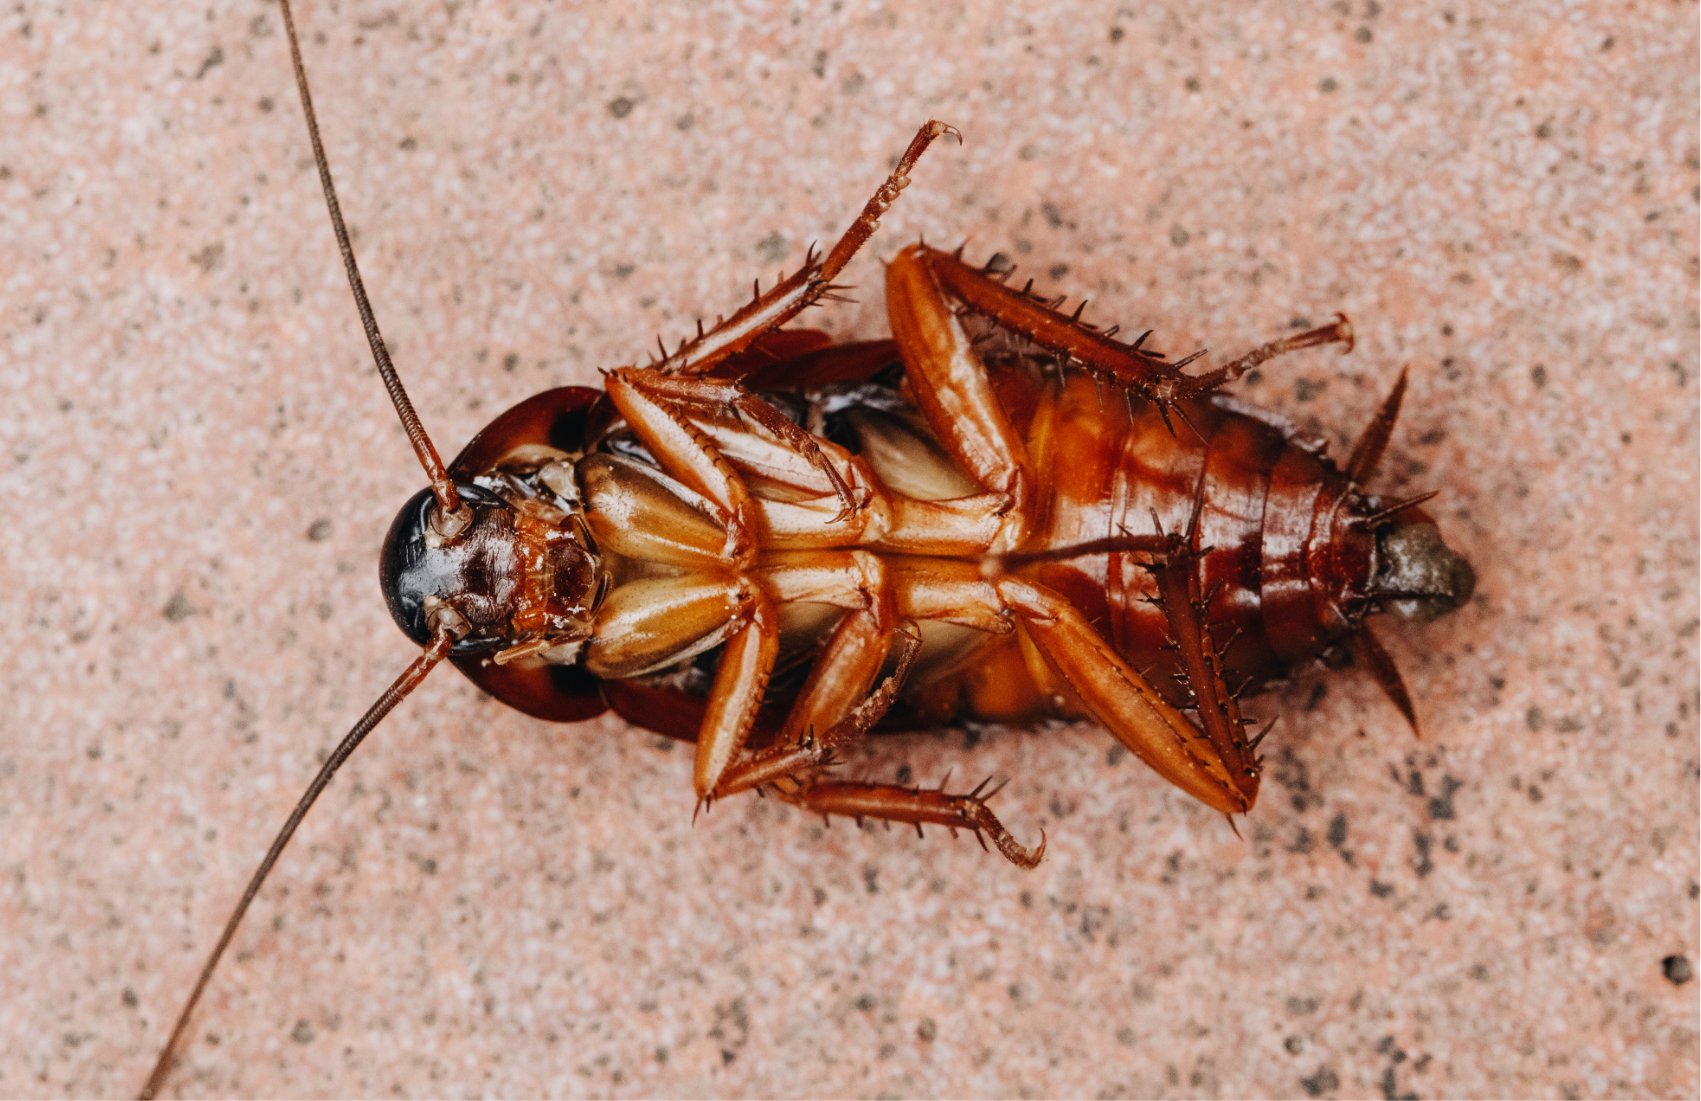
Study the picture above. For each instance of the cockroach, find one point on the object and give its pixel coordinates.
(771, 544)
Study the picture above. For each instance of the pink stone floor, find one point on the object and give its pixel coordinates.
(199, 464)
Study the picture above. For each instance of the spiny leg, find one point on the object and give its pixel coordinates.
(791, 295)
(918, 807)
(740, 683)
(1134, 711)
(686, 453)
(707, 396)
(783, 765)
(1338, 331)
(1174, 561)
(1186, 607)
(847, 665)
(1126, 363)
(788, 771)
(1130, 707)
(769, 310)
(951, 389)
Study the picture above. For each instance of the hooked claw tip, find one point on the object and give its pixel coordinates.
(1029, 858)
(942, 129)
(1018, 854)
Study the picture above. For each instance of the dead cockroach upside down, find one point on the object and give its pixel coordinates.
(770, 544)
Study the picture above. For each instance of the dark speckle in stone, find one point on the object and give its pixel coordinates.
(1324, 1081)
(772, 248)
(1421, 862)
(1441, 804)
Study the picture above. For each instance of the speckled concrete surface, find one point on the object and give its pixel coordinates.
(198, 467)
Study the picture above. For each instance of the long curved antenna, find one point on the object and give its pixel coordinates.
(452, 519)
(407, 682)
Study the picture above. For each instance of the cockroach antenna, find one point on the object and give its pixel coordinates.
(452, 517)
(404, 684)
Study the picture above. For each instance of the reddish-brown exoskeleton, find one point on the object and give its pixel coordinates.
(768, 543)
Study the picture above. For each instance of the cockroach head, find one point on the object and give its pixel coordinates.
(1417, 575)
(503, 581)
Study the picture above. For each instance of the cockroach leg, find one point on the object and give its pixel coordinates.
(952, 390)
(1129, 365)
(670, 379)
(787, 298)
(1185, 609)
(853, 656)
(706, 396)
(685, 452)
(1134, 712)
(918, 807)
(869, 220)
(784, 765)
(1110, 544)
(740, 684)
(1338, 331)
